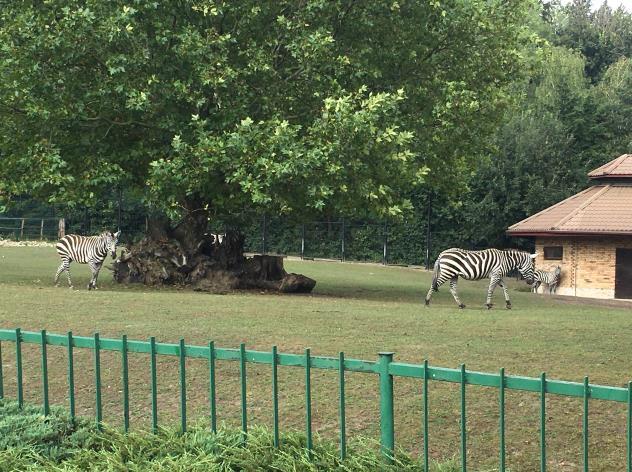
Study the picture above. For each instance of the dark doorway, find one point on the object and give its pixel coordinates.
(623, 275)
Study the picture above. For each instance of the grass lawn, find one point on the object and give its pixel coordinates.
(358, 309)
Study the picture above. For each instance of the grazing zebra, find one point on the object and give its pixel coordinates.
(91, 250)
(475, 265)
(550, 279)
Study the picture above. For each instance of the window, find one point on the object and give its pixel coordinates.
(553, 253)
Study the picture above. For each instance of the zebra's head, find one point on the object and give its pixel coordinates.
(111, 240)
(526, 267)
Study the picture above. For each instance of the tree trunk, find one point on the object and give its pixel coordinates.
(187, 255)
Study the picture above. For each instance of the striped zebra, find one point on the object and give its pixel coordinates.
(91, 250)
(475, 265)
(550, 279)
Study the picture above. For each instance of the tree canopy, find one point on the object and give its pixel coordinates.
(572, 114)
(292, 107)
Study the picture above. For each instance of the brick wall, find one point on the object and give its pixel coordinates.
(588, 264)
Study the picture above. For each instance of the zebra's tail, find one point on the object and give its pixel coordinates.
(435, 276)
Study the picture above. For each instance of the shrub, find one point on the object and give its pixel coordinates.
(31, 441)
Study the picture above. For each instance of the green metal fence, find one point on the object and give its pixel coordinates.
(384, 367)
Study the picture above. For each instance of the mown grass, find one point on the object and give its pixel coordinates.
(31, 441)
(359, 309)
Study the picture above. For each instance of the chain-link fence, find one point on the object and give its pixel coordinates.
(405, 242)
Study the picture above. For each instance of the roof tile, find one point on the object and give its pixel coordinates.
(619, 167)
(601, 209)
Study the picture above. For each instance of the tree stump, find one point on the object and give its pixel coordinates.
(188, 256)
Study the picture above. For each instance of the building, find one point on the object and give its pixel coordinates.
(589, 235)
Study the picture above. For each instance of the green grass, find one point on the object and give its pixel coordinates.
(359, 309)
(31, 441)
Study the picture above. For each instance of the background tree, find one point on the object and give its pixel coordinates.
(570, 116)
(214, 107)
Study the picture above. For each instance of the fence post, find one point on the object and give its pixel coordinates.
(44, 374)
(22, 230)
(242, 383)
(303, 241)
(97, 382)
(385, 254)
(1, 376)
(387, 424)
(61, 232)
(120, 204)
(42, 229)
(342, 414)
(264, 231)
(342, 241)
(428, 232)
(18, 367)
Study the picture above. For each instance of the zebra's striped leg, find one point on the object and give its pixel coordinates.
(68, 275)
(61, 268)
(94, 268)
(65, 266)
(458, 301)
(434, 288)
(492, 286)
(501, 282)
(96, 276)
(429, 296)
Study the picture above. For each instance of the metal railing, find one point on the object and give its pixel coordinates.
(384, 367)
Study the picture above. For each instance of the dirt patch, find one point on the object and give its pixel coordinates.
(611, 303)
(10, 243)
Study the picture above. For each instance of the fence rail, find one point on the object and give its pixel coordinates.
(384, 367)
(32, 228)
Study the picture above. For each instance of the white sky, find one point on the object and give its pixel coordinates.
(613, 3)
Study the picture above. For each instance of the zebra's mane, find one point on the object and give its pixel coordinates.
(516, 251)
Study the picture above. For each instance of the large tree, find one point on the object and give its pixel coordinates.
(217, 107)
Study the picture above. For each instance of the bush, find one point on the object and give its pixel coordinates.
(31, 441)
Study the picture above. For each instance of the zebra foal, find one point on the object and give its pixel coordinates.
(475, 265)
(91, 250)
(550, 279)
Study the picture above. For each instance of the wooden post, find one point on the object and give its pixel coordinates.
(303, 242)
(120, 204)
(342, 241)
(264, 234)
(385, 253)
(42, 229)
(22, 230)
(428, 232)
(61, 232)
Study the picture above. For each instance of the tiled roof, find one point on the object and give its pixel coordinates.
(619, 167)
(601, 209)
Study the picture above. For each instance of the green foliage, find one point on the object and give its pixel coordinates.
(314, 110)
(292, 107)
(31, 441)
(603, 36)
(573, 115)
(55, 437)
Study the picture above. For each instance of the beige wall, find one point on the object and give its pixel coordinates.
(588, 264)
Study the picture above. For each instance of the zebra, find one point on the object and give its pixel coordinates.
(91, 250)
(476, 265)
(217, 238)
(550, 279)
